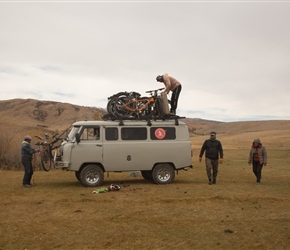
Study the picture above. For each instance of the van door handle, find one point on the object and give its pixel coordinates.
(99, 145)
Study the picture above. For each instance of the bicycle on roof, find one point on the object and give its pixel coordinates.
(140, 108)
(112, 102)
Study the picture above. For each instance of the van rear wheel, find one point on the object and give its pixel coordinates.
(77, 174)
(91, 175)
(147, 175)
(163, 174)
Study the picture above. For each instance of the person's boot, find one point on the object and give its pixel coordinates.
(214, 181)
(209, 181)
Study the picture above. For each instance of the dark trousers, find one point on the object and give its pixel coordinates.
(211, 168)
(257, 170)
(174, 99)
(28, 171)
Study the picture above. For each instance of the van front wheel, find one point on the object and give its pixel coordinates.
(163, 174)
(91, 175)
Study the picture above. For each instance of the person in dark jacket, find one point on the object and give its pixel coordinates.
(26, 158)
(213, 156)
(258, 158)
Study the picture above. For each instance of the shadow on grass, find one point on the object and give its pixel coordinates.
(138, 181)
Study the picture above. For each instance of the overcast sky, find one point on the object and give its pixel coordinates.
(231, 57)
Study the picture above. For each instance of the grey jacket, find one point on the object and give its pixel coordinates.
(261, 150)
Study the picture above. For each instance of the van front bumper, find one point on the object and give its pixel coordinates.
(61, 164)
(58, 163)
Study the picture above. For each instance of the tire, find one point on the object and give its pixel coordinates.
(163, 174)
(147, 175)
(110, 106)
(77, 174)
(147, 112)
(119, 109)
(113, 100)
(111, 103)
(91, 175)
(46, 160)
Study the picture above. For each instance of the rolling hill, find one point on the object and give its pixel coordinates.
(46, 114)
(59, 116)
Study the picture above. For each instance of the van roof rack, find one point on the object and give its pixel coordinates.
(149, 121)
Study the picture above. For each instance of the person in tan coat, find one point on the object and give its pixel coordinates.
(171, 84)
(258, 158)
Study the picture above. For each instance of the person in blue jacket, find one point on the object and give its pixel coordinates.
(26, 158)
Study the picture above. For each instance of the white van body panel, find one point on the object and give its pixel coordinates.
(143, 156)
(126, 146)
(90, 151)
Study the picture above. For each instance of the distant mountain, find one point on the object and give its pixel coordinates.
(250, 126)
(199, 120)
(47, 114)
(59, 116)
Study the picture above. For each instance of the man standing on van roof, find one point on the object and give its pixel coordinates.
(213, 156)
(171, 84)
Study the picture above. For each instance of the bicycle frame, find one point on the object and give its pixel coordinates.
(113, 98)
(46, 151)
(135, 107)
(145, 101)
(43, 145)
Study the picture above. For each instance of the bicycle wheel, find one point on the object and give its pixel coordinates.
(120, 108)
(146, 114)
(46, 160)
(144, 109)
(110, 106)
(111, 102)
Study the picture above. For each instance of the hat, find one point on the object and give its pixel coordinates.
(27, 137)
(212, 133)
(159, 78)
(257, 141)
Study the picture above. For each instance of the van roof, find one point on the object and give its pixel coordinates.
(127, 122)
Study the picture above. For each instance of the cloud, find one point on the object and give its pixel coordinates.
(231, 58)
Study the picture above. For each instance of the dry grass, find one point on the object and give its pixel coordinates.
(59, 213)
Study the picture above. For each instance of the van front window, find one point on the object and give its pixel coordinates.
(72, 133)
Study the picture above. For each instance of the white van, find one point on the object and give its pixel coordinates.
(156, 148)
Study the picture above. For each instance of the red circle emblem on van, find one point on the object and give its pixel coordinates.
(160, 133)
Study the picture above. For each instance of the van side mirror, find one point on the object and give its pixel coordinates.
(78, 138)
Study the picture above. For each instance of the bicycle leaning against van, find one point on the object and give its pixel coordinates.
(46, 149)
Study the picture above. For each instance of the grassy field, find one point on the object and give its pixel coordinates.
(59, 213)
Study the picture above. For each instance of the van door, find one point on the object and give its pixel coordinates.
(89, 149)
(128, 150)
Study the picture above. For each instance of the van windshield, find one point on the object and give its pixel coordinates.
(72, 133)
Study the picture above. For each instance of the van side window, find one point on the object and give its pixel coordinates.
(90, 134)
(134, 133)
(162, 133)
(111, 134)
